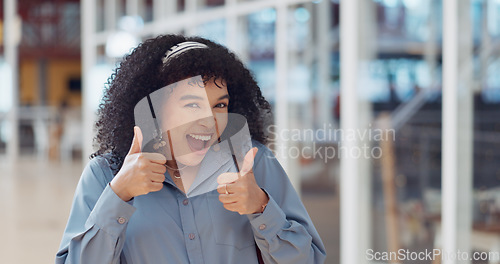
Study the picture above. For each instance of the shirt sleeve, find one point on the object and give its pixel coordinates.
(284, 232)
(95, 232)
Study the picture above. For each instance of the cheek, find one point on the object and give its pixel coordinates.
(175, 117)
(221, 120)
(171, 121)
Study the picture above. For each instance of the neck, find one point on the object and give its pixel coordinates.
(172, 164)
(183, 176)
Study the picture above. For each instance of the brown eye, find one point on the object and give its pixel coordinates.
(221, 105)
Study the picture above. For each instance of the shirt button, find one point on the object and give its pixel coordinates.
(262, 227)
(191, 236)
(185, 202)
(121, 220)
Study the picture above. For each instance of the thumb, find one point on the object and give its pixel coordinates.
(248, 161)
(136, 141)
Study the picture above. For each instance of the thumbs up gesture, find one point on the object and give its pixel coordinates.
(239, 192)
(141, 173)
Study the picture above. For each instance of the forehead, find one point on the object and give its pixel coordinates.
(196, 86)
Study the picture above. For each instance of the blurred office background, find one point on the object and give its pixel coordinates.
(427, 70)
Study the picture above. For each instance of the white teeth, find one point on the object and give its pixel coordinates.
(200, 137)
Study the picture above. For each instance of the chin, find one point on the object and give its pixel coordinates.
(190, 159)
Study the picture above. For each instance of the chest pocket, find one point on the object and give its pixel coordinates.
(230, 228)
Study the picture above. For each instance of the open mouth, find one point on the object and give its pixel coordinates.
(198, 142)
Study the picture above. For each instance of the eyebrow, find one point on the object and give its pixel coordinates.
(195, 97)
(226, 96)
(191, 97)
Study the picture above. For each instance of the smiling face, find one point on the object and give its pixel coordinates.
(195, 116)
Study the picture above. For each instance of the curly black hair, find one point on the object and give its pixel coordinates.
(143, 72)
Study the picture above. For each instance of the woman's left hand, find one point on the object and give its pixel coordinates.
(239, 192)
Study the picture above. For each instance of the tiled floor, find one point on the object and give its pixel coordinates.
(35, 199)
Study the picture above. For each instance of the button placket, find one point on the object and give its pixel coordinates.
(193, 245)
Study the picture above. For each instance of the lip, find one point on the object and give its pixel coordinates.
(204, 150)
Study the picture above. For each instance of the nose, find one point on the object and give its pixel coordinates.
(208, 121)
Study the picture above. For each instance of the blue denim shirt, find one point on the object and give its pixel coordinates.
(168, 227)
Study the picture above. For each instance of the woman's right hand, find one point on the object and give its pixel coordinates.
(141, 173)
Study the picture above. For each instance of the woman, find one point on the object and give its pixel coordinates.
(133, 202)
